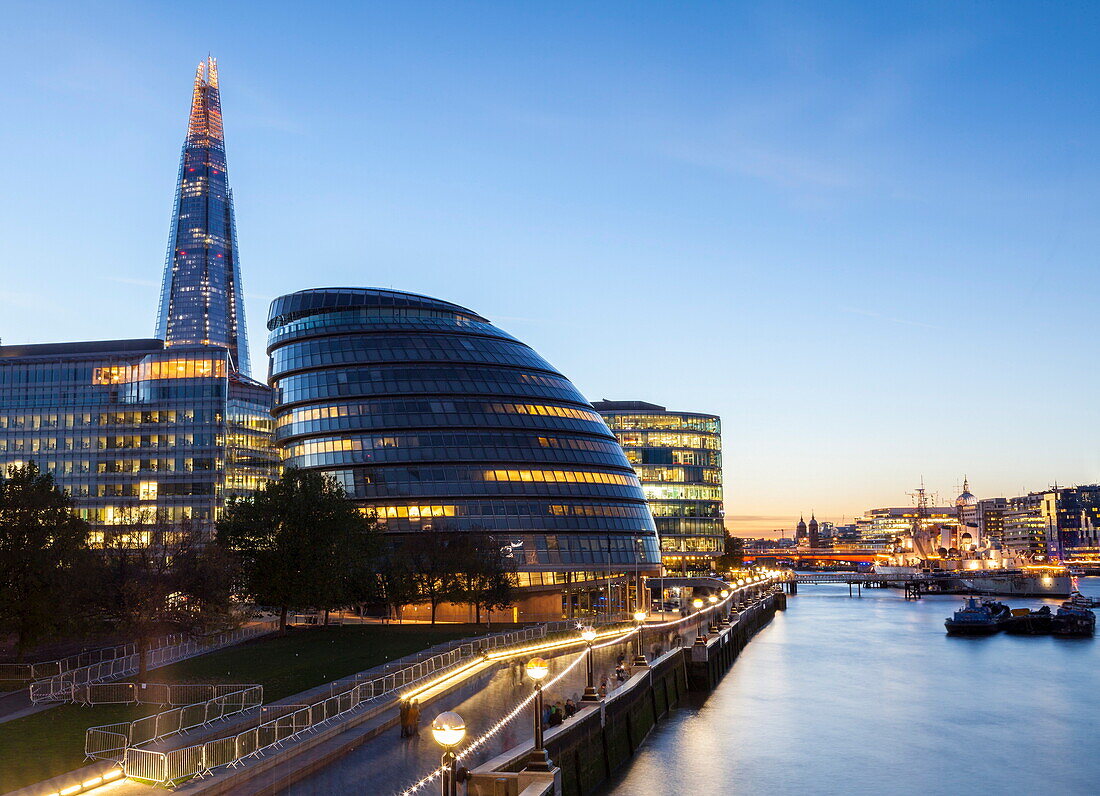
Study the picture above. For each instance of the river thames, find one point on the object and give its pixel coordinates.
(869, 695)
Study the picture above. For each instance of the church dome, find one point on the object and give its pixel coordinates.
(966, 498)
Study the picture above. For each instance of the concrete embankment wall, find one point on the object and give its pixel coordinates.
(592, 746)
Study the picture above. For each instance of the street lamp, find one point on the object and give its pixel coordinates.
(449, 729)
(639, 656)
(697, 603)
(537, 669)
(725, 593)
(712, 599)
(589, 635)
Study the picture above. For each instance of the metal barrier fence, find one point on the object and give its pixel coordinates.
(26, 672)
(168, 768)
(63, 687)
(113, 741)
(153, 693)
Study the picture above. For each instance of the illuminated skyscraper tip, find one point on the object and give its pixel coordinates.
(201, 299)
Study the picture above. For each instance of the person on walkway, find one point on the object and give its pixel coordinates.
(570, 708)
(557, 715)
(414, 717)
(602, 690)
(404, 718)
(620, 673)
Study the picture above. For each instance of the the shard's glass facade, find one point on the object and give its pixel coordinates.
(201, 299)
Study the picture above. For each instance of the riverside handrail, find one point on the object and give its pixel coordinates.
(63, 687)
(168, 768)
(112, 741)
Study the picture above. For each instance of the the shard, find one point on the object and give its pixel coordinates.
(201, 300)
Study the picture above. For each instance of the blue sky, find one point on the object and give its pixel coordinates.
(863, 233)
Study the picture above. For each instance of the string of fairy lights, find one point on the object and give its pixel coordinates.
(619, 636)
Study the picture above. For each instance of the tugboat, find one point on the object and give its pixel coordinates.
(978, 618)
(1031, 623)
(1072, 620)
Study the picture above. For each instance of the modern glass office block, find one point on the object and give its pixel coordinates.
(130, 428)
(678, 457)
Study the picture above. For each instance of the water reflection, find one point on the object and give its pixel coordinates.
(869, 695)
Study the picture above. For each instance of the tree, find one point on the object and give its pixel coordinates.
(734, 553)
(42, 547)
(154, 578)
(486, 578)
(295, 541)
(397, 580)
(432, 561)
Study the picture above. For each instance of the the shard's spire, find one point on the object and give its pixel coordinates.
(201, 301)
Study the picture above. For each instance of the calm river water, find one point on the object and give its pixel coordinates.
(870, 696)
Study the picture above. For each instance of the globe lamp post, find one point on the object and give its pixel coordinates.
(537, 669)
(448, 730)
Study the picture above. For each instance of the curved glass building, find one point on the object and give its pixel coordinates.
(678, 457)
(429, 415)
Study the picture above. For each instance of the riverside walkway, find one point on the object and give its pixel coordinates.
(484, 689)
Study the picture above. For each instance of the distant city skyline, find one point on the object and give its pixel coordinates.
(866, 241)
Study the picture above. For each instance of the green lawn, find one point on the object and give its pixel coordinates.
(52, 742)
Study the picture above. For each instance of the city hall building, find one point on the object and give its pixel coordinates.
(430, 416)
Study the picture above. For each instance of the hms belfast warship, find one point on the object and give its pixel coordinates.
(969, 565)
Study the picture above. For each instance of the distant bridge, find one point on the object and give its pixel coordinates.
(865, 556)
(914, 583)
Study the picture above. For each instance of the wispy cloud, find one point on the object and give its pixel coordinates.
(891, 319)
(125, 280)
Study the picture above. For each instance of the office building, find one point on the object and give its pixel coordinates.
(134, 430)
(678, 457)
(885, 524)
(1024, 525)
(430, 416)
(991, 519)
(1072, 523)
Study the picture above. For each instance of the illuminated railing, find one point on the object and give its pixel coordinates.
(288, 722)
(699, 616)
(124, 741)
(346, 696)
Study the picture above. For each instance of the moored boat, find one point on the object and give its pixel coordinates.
(978, 618)
(1030, 623)
(1072, 620)
(1079, 600)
